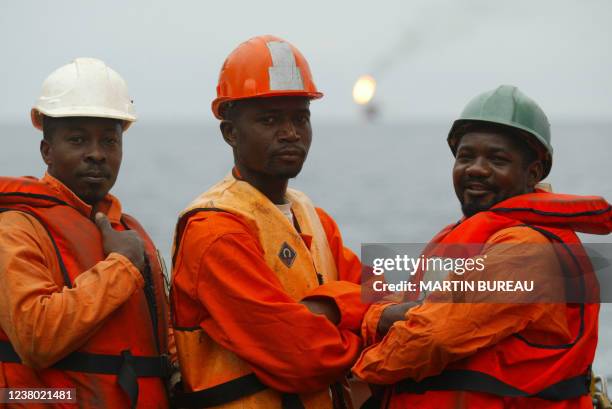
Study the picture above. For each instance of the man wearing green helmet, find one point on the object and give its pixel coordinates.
(521, 123)
(488, 352)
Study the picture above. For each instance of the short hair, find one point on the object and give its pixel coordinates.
(230, 110)
(49, 124)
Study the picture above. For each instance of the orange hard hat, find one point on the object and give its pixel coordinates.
(264, 66)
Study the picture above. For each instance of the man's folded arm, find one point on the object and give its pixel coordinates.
(289, 348)
(346, 292)
(436, 334)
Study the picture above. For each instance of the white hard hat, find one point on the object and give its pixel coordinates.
(85, 87)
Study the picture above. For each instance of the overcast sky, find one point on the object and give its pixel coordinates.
(428, 56)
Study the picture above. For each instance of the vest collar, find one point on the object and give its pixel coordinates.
(586, 214)
(109, 205)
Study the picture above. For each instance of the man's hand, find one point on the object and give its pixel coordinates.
(323, 306)
(393, 313)
(174, 379)
(127, 243)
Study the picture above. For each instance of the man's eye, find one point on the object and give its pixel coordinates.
(267, 120)
(500, 160)
(303, 119)
(464, 158)
(76, 139)
(111, 141)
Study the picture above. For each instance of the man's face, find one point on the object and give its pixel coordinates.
(270, 136)
(85, 155)
(488, 169)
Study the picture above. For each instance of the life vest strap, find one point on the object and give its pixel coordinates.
(227, 392)
(143, 366)
(474, 381)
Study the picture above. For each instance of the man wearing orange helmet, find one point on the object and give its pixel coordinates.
(265, 296)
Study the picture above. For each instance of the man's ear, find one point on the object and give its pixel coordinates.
(45, 151)
(228, 130)
(535, 172)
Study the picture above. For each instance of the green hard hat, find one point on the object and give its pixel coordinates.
(507, 105)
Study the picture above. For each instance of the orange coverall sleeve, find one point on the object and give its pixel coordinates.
(44, 320)
(346, 293)
(246, 310)
(436, 334)
(369, 325)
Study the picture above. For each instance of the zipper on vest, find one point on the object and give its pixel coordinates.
(149, 291)
(151, 302)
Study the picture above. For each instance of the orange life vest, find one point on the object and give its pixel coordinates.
(133, 338)
(215, 376)
(516, 371)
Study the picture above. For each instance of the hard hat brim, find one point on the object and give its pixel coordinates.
(90, 112)
(94, 112)
(218, 102)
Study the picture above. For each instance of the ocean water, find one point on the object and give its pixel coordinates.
(380, 182)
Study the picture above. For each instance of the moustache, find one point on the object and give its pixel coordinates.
(293, 150)
(480, 184)
(94, 172)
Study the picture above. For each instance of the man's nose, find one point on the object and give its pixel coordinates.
(479, 167)
(287, 130)
(96, 152)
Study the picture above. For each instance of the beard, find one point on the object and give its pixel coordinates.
(285, 171)
(471, 208)
(288, 174)
(92, 197)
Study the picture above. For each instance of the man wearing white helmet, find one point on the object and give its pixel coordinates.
(82, 302)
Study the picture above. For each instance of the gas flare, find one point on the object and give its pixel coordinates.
(363, 90)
